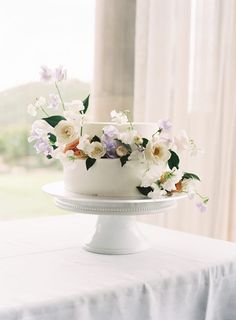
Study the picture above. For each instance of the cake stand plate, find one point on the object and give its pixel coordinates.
(116, 231)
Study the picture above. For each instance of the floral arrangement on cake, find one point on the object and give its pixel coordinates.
(59, 135)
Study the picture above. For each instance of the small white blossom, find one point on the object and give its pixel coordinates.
(182, 141)
(40, 102)
(156, 193)
(151, 176)
(32, 110)
(119, 117)
(127, 137)
(172, 179)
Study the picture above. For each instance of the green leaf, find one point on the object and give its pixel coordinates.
(54, 120)
(188, 175)
(95, 138)
(52, 138)
(90, 162)
(86, 104)
(124, 159)
(173, 161)
(145, 190)
(49, 157)
(145, 142)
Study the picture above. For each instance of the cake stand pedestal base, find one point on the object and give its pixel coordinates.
(116, 231)
(116, 235)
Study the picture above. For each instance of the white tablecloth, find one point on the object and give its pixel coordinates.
(46, 275)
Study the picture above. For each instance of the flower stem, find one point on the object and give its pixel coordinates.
(44, 111)
(59, 93)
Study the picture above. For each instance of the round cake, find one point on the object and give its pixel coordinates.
(107, 177)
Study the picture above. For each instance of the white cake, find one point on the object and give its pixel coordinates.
(107, 177)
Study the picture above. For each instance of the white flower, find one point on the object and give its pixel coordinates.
(72, 112)
(75, 105)
(137, 155)
(156, 193)
(66, 131)
(138, 139)
(157, 152)
(165, 125)
(95, 150)
(32, 110)
(40, 102)
(151, 176)
(182, 141)
(121, 151)
(127, 137)
(83, 142)
(170, 179)
(119, 117)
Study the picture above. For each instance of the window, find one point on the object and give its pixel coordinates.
(35, 33)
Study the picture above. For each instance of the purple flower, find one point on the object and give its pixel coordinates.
(46, 73)
(43, 146)
(201, 206)
(54, 101)
(110, 132)
(165, 125)
(60, 74)
(110, 146)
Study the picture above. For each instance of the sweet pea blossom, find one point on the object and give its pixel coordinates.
(46, 74)
(40, 129)
(151, 176)
(39, 104)
(32, 110)
(201, 206)
(170, 179)
(128, 137)
(110, 132)
(165, 125)
(156, 193)
(43, 146)
(119, 117)
(54, 101)
(60, 74)
(56, 75)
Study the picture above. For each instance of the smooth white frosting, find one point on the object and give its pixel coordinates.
(106, 177)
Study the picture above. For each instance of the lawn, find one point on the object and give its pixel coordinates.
(21, 195)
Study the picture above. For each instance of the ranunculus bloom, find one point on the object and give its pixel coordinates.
(95, 150)
(66, 131)
(121, 151)
(73, 146)
(157, 152)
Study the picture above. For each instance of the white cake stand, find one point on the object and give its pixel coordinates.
(116, 231)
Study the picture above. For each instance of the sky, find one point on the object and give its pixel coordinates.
(45, 32)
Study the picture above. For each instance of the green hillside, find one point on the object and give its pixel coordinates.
(14, 102)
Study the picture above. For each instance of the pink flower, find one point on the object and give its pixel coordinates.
(60, 74)
(46, 73)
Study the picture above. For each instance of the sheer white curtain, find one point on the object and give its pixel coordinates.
(185, 70)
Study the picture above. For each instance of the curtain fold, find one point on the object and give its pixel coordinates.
(185, 70)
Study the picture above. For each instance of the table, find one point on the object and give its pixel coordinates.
(46, 275)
